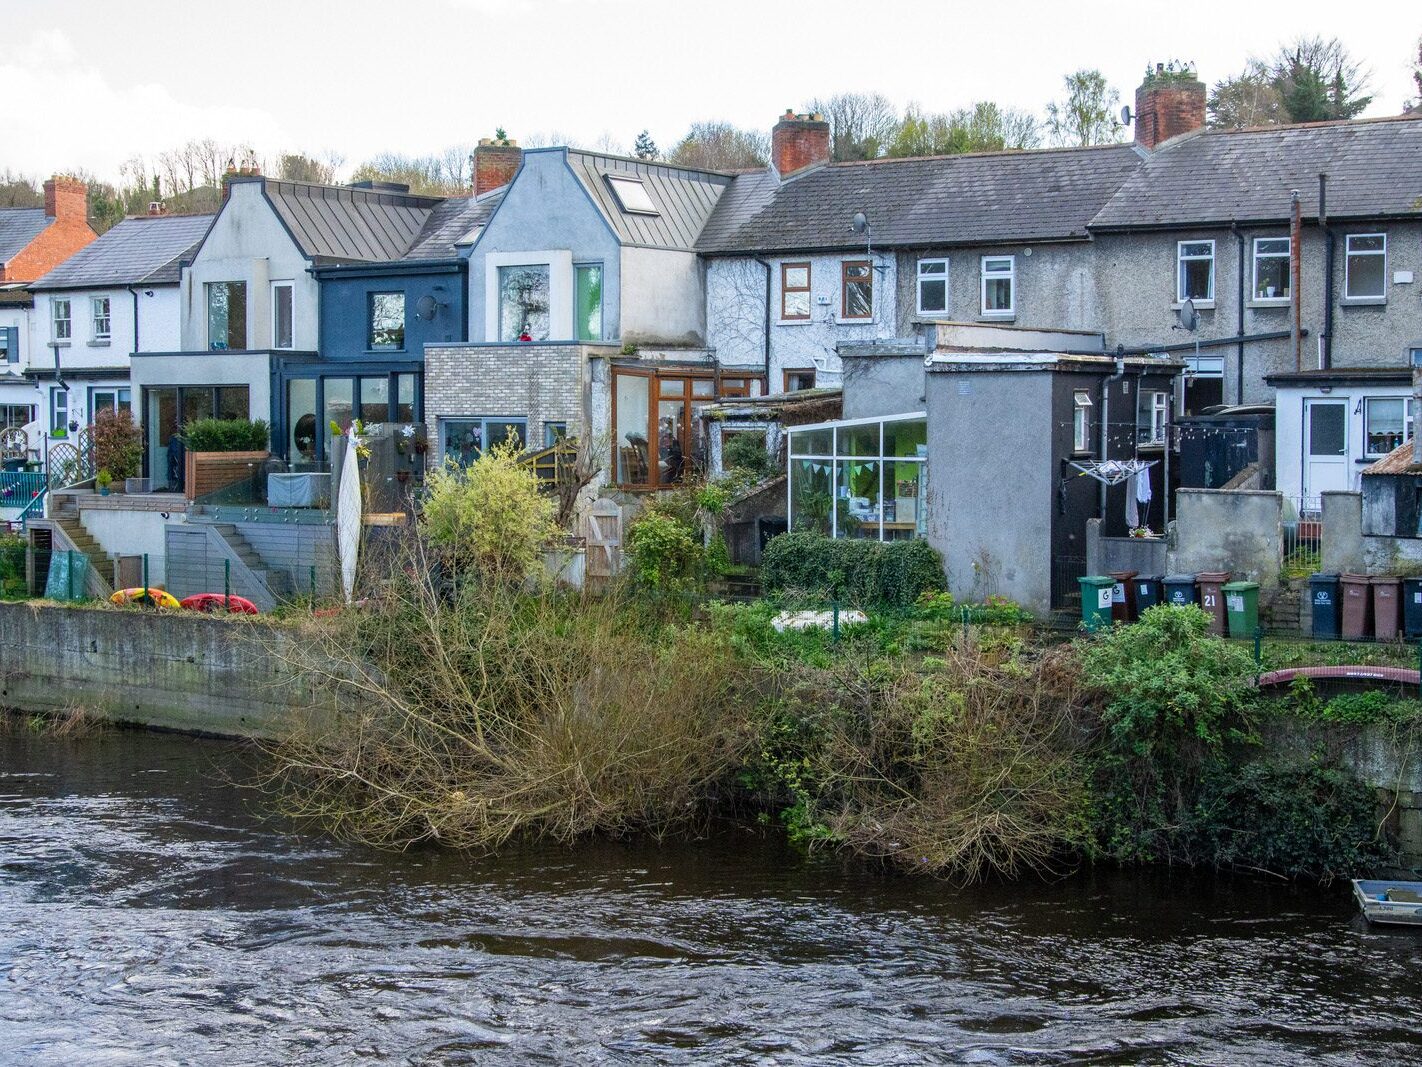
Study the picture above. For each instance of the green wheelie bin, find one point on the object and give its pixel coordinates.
(1242, 607)
(1096, 590)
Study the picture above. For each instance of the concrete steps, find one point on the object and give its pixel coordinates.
(99, 560)
(248, 555)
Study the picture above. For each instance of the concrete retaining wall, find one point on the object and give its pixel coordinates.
(1110, 555)
(1346, 549)
(180, 672)
(1227, 530)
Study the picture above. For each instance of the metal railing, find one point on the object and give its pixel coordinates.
(1301, 546)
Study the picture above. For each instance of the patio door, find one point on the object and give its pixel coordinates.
(1325, 446)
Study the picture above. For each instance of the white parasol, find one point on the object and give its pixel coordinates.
(348, 516)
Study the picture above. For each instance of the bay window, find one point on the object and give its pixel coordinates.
(524, 302)
(932, 286)
(1365, 276)
(1195, 273)
(999, 277)
(1271, 269)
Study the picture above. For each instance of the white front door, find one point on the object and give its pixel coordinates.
(1325, 447)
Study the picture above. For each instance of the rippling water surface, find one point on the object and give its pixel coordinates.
(148, 915)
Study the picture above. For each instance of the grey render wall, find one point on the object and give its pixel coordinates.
(184, 672)
(540, 382)
(883, 385)
(252, 369)
(990, 510)
(546, 209)
(1227, 530)
(1347, 549)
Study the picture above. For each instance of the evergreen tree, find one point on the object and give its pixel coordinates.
(645, 147)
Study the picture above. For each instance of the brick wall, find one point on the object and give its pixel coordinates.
(799, 141)
(66, 202)
(1167, 111)
(540, 382)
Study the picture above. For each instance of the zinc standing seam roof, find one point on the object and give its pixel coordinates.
(684, 198)
(18, 227)
(138, 250)
(345, 225)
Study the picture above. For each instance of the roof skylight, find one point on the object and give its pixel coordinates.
(632, 195)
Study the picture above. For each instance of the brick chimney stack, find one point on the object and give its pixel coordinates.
(66, 199)
(1168, 103)
(799, 141)
(495, 163)
(156, 208)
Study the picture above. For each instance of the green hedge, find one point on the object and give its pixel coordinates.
(226, 435)
(866, 572)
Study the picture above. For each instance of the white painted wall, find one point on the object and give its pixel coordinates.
(84, 348)
(132, 533)
(1289, 458)
(735, 310)
(248, 243)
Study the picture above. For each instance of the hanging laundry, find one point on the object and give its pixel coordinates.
(1133, 516)
(1143, 487)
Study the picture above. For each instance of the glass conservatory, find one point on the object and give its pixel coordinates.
(859, 477)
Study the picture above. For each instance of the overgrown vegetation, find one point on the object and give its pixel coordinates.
(490, 518)
(859, 572)
(226, 435)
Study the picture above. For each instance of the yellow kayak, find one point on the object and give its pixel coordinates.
(151, 595)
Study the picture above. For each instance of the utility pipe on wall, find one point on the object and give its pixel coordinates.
(1326, 340)
(1239, 309)
(1296, 279)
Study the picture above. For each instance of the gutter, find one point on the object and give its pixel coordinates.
(765, 344)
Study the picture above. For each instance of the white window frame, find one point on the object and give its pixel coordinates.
(103, 323)
(55, 407)
(61, 327)
(1010, 275)
(1159, 412)
(1407, 423)
(1181, 259)
(1348, 255)
(290, 286)
(1286, 255)
(920, 278)
(1081, 421)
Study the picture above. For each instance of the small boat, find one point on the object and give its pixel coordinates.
(210, 602)
(151, 595)
(1394, 903)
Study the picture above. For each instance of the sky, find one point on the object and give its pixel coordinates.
(90, 83)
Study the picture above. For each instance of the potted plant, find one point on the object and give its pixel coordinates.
(103, 480)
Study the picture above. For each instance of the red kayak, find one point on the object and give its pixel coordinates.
(210, 602)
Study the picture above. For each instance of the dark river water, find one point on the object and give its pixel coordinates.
(149, 915)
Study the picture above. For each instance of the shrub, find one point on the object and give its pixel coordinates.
(664, 551)
(491, 516)
(226, 435)
(118, 444)
(866, 573)
(746, 452)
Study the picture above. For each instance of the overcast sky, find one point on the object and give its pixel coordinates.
(88, 84)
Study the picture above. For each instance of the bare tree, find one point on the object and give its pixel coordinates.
(1250, 99)
(984, 127)
(721, 146)
(19, 190)
(861, 124)
(1087, 114)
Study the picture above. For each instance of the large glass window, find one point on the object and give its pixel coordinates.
(226, 316)
(463, 440)
(523, 303)
(632, 404)
(1387, 423)
(387, 320)
(587, 280)
(999, 279)
(1195, 273)
(656, 430)
(374, 400)
(103, 322)
(61, 325)
(1366, 274)
(932, 286)
(856, 298)
(301, 420)
(794, 291)
(405, 398)
(169, 409)
(16, 416)
(859, 479)
(283, 335)
(339, 413)
(1271, 268)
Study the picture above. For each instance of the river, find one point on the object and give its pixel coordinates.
(150, 914)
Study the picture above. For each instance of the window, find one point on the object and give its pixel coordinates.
(464, 440)
(226, 316)
(387, 320)
(656, 434)
(167, 409)
(10, 343)
(282, 330)
(110, 400)
(1366, 273)
(932, 286)
(1081, 421)
(999, 274)
(102, 322)
(1204, 383)
(794, 291)
(554, 433)
(523, 303)
(587, 283)
(1387, 423)
(860, 479)
(1195, 278)
(59, 319)
(1155, 412)
(16, 416)
(632, 196)
(59, 410)
(1271, 268)
(796, 380)
(856, 295)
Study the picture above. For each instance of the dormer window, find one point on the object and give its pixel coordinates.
(632, 196)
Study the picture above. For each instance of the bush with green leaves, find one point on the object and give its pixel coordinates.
(664, 551)
(492, 516)
(226, 435)
(746, 452)
(1173, 700)
(118, 444)
(860, 572)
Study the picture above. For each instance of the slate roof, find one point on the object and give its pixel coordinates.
(1221, 176)
(142, 250)
(983, 198)
(453, 223)
(684, 198)
(18, 227)
(342, 224)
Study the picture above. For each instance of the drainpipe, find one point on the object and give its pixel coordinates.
(134, 293)
(1239, 330)
(1326, 349)
(1296, 279)
(1106, 424)
(765, 342)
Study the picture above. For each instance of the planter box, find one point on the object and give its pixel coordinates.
(207, 472)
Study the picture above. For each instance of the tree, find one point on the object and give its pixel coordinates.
(1250, 99)
(984, 127)
(1087, 115)
(721, 146)
(645, 148)
(861, 124)
(299, 167)
(446, 174)
(1308, 80)
(1416, 102)
(19, 190)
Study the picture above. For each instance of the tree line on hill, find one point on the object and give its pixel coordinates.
(1310, 79)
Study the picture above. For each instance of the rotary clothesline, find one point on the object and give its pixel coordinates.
(1112, 471)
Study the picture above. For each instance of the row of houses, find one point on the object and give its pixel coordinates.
(1023, 308)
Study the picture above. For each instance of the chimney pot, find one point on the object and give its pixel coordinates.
(799, 141)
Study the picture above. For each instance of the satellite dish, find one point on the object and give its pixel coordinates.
(426, 307)
(1126, 115)
(859, 223)
(1189, 317)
